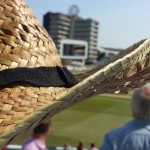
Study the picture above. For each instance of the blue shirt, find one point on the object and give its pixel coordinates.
(135, 135)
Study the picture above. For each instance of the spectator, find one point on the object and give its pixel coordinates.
(67, 146)
(4, 148)
(37, 140)
(93, 147)
(135, 135)
(80, 146)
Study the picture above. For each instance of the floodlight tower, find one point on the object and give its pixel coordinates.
(73, 12)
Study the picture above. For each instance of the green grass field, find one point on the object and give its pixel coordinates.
(87, 121)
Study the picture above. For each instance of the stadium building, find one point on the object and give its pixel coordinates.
(109, 53)
(61, 26)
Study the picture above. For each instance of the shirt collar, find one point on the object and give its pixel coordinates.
(142, 121)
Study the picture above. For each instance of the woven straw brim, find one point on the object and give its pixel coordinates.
(128, 70)
(137, 72)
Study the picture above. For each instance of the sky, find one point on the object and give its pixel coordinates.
(122, 22)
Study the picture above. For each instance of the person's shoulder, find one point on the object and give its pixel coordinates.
(114, 136)
(29, 144)
(121, 131)
(128, 134)
(129, 129)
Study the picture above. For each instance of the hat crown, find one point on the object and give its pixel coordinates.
(23, 41)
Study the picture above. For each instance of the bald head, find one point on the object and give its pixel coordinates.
(141, 102)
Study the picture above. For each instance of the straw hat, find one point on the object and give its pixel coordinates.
(27, 52)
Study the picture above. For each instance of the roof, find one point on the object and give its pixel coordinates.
(112, 49)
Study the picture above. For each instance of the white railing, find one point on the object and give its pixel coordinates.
(18, 147)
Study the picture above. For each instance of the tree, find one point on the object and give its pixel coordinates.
(100, 55)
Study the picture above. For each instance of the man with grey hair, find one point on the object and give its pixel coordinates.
(135, 135)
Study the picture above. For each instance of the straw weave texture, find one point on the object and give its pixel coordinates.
(25, 43)
(127, 72)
